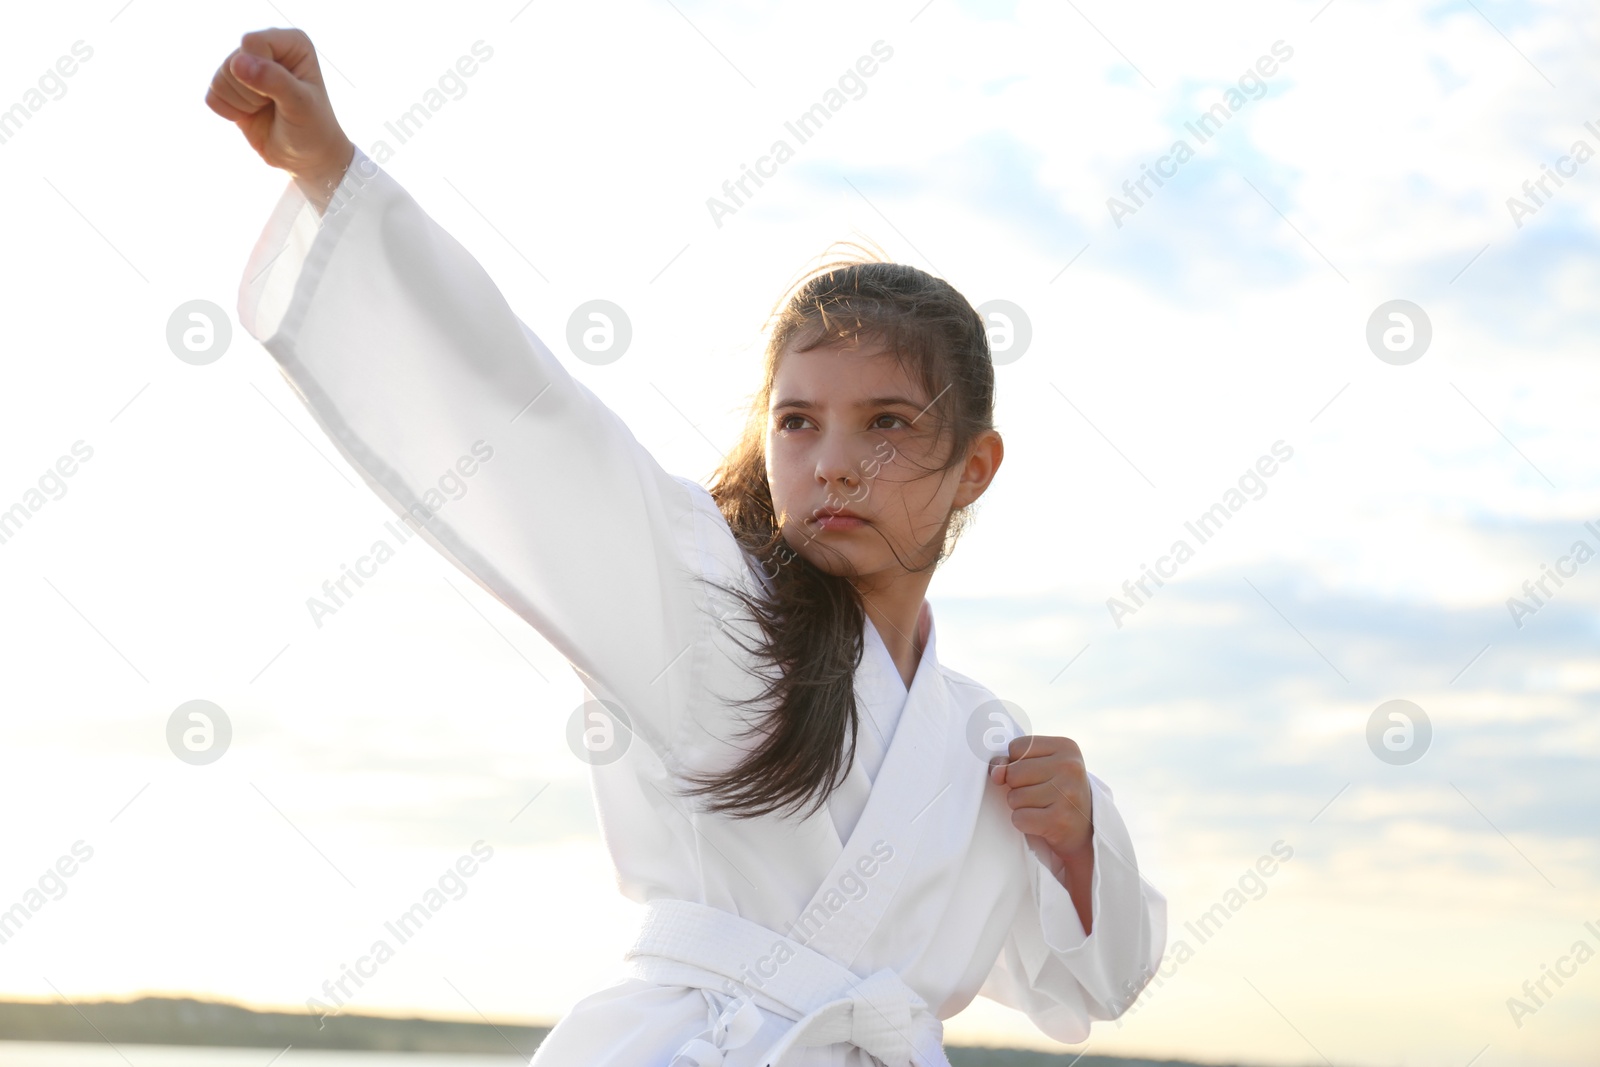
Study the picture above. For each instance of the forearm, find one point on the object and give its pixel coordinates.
(1075, 871)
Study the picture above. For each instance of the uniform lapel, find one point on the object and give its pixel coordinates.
(881, 697)
(882, 848)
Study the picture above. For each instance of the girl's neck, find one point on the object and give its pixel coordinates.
(896, 613)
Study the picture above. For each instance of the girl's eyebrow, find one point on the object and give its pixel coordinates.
(869, 402)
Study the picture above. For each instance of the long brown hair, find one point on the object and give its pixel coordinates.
(810, 621)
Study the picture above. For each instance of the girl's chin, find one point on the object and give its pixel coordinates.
(831, 560)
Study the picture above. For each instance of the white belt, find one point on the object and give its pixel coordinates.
(683, 943)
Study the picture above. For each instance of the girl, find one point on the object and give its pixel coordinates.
(817, 893)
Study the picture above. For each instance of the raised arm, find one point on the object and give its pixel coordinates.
(455, 413)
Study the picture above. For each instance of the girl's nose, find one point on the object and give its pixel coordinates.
(836, 466)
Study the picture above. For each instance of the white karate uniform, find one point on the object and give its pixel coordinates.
(411, 361)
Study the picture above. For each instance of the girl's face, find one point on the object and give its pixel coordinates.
(848, 429)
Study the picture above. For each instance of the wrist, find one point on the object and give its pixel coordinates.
(318, 184)
(1080, 853)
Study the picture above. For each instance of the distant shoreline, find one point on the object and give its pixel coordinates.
(218, 1024)
(186, 1021)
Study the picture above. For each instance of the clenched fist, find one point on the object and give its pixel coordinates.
(1047, 788)
(272, 88)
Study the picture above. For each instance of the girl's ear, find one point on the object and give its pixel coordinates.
(984, 457)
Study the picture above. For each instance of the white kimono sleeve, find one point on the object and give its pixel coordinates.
(1055, 973)
(461, 419)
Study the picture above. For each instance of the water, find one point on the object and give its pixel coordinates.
(67, 1054)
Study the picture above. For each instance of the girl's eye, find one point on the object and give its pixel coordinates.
(797, 422)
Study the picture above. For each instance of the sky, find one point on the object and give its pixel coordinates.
(1175, 335)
